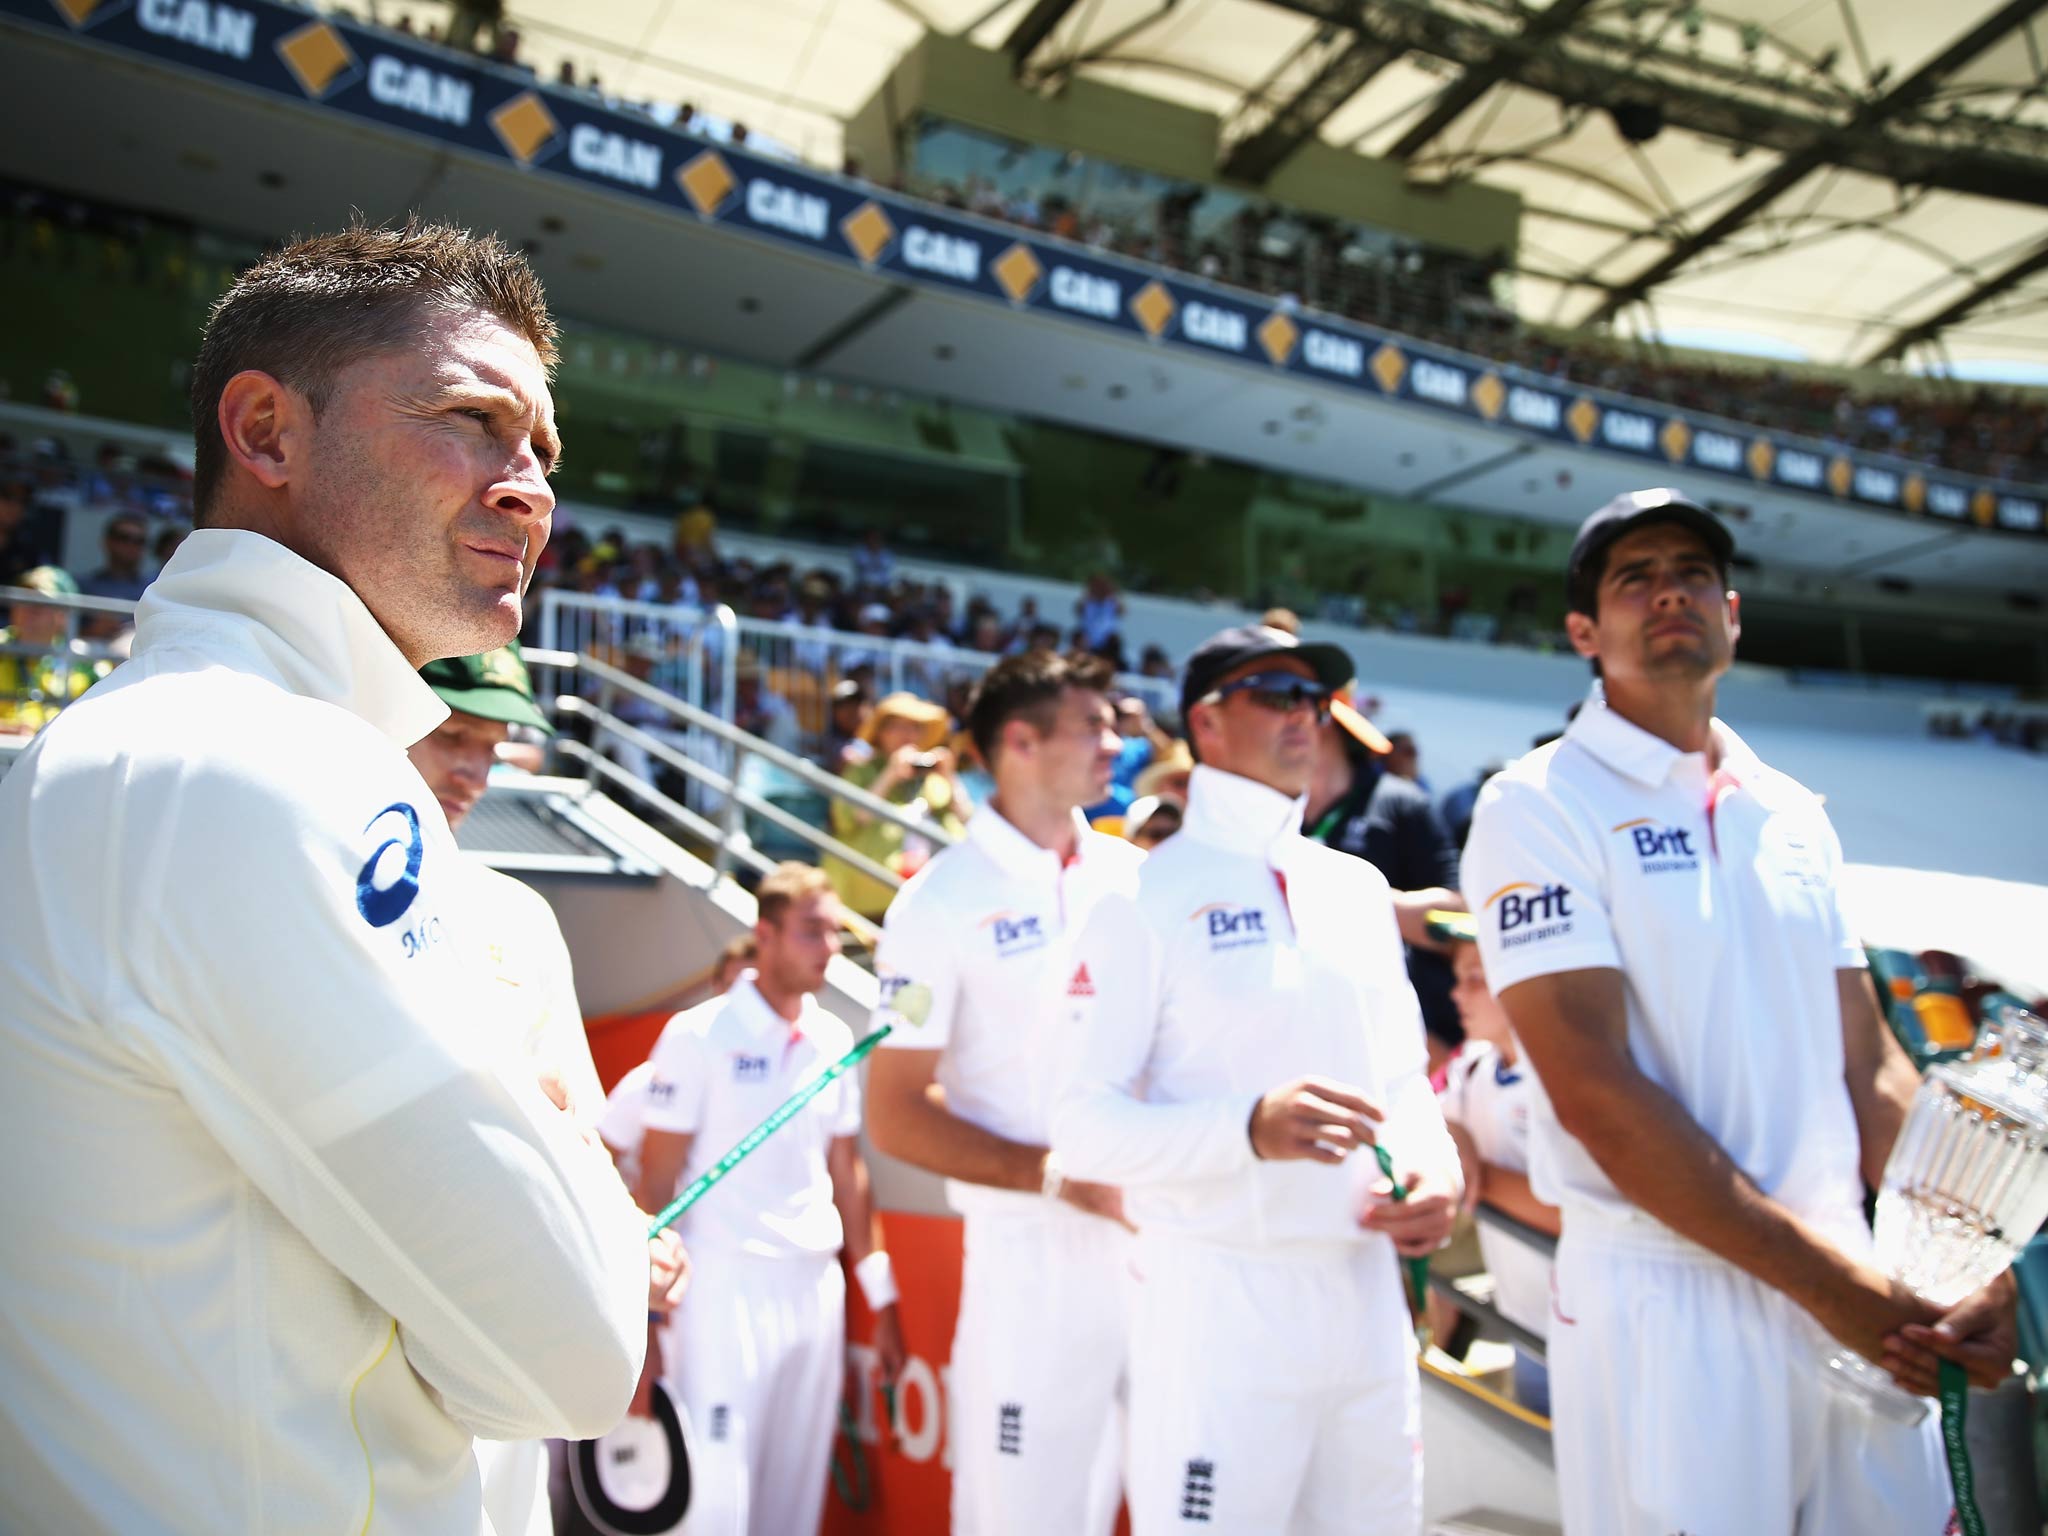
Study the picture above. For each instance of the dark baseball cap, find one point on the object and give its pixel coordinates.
(1226, 652)
(1625, 514)
(493, 686)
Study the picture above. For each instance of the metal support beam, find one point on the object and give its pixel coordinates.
(1478, 79)
(1820, 150)
(1257, 155)
(2002, 281)
(1032, 29)
(1973, 153)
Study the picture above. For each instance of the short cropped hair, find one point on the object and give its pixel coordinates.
(316, 306)
(1027, 686)
(785, 885)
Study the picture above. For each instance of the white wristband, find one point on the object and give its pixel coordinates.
(877, 1279)
(1054, 1180)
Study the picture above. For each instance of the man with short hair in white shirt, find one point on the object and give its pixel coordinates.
(1660, 916)
(291, 1225)
(756, 1351)
(976, 965)
(1249, 1033)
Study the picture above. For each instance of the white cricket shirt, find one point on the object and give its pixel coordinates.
(982, 938)
(1247, 956)
(719, 1070)
(623, 1124)
(1495, 1103)
(1716, 896)
(289, 1220)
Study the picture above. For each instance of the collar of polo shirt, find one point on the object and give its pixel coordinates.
(1014, 853)
(1634, 753)
(1240, 814)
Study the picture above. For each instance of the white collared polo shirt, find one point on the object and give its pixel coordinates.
(976, 962)
(719, 1070)
(1716, 896)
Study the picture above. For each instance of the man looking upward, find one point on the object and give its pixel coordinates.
(1660, 915)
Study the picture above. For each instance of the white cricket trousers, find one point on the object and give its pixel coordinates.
(756, 1352)
(1273, 1392)
(1038, 1372)
(1685, 1395)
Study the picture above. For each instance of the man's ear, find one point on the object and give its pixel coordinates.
(1584, 632)
(262, 421)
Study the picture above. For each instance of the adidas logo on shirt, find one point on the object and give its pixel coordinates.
(1082, 985)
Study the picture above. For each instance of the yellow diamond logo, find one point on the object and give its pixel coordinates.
(76, 11)
(707, 183)
(1017, 272)
(1761, 457)
(525, 126)
(1983, 507)
(1388, 366)
(1913, 494)
(1154, 308)
(1676, 438)
(316, 56)
(1583, 418)
(1278, 334)
(1489, 395)
(1838, 475)
(868, 231)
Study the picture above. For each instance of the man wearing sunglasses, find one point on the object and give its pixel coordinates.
(1249, 1034)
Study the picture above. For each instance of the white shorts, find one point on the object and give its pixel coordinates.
(756, 1353)
(1037, 1374)
(1273, 1393)
(1688, 1396)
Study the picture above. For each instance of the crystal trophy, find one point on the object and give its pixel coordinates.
(1966, 1185)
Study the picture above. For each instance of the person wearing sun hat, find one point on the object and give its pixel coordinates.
(34, 687)
(1357, 806)
(909, 765)
(519, 942)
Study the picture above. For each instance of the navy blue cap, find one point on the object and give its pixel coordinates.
(1625, 514)
(1227, 651)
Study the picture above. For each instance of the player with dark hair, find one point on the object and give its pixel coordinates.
(976, 969)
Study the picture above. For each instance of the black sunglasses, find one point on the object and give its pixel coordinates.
(1281, 692)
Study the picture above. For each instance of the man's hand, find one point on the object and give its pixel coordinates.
(889, 1354)
(1312, 1118)
(1097, 1200)
(1420, 1224)
(1981, 1333)
(1866, 1307)
(668, 1271)
(642, 1406)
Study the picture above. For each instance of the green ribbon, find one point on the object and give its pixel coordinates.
(784, 1112)
(1418, 1269)
(1955, 1398)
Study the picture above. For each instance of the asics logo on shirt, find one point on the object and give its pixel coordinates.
(1015, 932)
(384, 904)
(1661, 850)
(1229, 926)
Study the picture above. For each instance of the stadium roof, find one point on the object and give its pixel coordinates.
(1847, 180)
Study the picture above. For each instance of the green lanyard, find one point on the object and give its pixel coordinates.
(1955, 1397)
(786, 1111)
(1418, 1269)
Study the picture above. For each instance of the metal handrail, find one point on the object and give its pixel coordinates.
(734, 795)
(830, 784)
(79, 601)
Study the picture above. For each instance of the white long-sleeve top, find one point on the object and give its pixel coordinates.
(288, 1218)
(1249, 956)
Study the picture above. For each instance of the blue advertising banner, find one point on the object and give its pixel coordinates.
(465, 103)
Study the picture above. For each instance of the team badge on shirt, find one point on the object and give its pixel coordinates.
(910, 1001)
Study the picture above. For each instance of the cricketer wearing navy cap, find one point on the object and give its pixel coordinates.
(1228, 650)
(1624, 515)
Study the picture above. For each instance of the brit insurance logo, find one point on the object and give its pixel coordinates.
(1528, 913)
(1015, 933)
(1230, 926)
(1660, 850)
